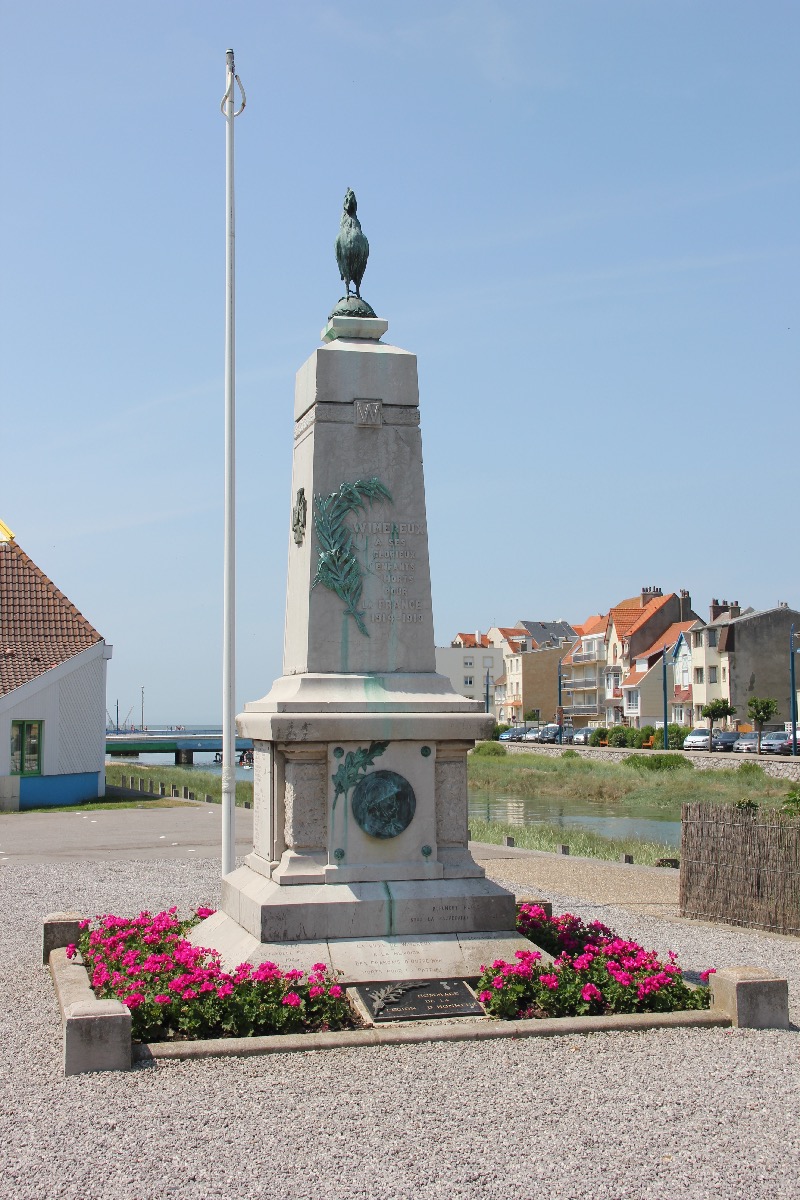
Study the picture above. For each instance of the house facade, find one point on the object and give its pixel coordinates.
(466, 663)
(52, 690)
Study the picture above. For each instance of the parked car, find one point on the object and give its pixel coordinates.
(507, 735)
(531, 736)
(786, 747)
(698, 739)
(747, 744)
(773, 743)
(549, 733)
(567, 735)
(770, 742)
(581, 737)
(724, 740)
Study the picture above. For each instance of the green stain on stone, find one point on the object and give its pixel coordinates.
(344, 648)
(389, 910)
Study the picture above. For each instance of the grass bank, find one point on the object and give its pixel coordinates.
(576, 778)
(202, 783)
(581, 842)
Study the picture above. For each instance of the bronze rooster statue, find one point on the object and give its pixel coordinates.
(352, 247)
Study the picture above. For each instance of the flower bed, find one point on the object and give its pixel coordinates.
(177, 990)
(593, 972)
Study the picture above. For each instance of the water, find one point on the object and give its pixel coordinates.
(601, 817)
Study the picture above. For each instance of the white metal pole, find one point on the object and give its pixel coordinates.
(229, 552)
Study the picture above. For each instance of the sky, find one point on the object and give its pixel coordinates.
(584, 220)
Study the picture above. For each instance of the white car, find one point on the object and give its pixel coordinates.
(698, 739)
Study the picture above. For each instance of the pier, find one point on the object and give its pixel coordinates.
(183, 745)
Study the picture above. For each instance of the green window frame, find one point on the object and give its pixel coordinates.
(26, 747)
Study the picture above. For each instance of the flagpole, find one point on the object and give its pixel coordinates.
(229, 550)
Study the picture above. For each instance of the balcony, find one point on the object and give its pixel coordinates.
(579, 685)
(590, 656)
(580, 710)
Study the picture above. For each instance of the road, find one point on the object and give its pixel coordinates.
(190, 831)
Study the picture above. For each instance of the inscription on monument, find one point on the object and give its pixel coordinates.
(419, 1000)
(369, 412)
(392, 549)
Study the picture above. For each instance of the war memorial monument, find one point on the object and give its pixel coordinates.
(360, 847)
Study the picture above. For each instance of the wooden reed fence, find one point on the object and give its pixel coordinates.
(741, 867)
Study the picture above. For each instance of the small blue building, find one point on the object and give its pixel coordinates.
(52, 690)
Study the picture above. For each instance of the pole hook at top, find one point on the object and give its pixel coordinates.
(229, 90)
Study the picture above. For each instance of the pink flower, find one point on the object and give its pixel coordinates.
(204, 912)
(485, 997)
(590, 992)
(316, 991)
(72, 950)
(292, 999)
(498, 981)
(335, 991)
(705, 975)
(163, 999)
(549, 981)
(225, 990)
(319, 967)
(134, 1000)
(189, 994)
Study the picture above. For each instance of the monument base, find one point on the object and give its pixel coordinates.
(364, 959)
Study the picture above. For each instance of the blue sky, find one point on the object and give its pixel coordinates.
(584, 219)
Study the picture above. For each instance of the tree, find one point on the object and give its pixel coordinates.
(760, 710)
(716, 710)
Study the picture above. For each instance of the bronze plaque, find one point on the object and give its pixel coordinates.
(418, 1000)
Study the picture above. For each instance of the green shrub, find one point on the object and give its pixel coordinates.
(618, 736)
(490, 750)
(747, 804)
(570, 754)
(676, 735)
(791, 801)
(658, 762)
(640, 736)
(750, 770)
(498, 729)
(600, 734)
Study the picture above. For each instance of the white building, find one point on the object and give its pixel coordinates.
(52, 690)
(466, 663)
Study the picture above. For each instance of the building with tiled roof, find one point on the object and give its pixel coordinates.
(52, 690)
(472, 665)
(582, 675)
(634, 625)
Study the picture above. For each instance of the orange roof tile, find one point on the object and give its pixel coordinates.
(649, 609)
(39, 627)
(632, 678)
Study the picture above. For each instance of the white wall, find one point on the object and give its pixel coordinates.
(451, 661)
(71, 700)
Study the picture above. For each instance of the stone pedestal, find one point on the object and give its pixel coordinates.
(360, 748)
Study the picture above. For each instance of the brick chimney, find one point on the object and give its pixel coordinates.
(715, 609)
(684, 604)
(650, 593)
(735, 609)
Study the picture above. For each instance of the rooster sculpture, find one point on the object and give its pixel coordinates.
(352, 247)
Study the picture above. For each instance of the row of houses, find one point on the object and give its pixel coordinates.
(614, 668)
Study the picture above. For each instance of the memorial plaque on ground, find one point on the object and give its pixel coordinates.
(418, 999)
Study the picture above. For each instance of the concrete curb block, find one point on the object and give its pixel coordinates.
(96, 1033)
(59, 929)
(755, 998)
(431, 1032)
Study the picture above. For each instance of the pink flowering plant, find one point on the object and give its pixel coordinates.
(177, 990)
(593, 972)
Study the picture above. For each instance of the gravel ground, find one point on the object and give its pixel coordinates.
(618, 1116)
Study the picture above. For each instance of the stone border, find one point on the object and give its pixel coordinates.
(774, 765)
(97, 1033)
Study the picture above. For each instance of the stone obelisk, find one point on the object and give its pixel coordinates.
(360, 853)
